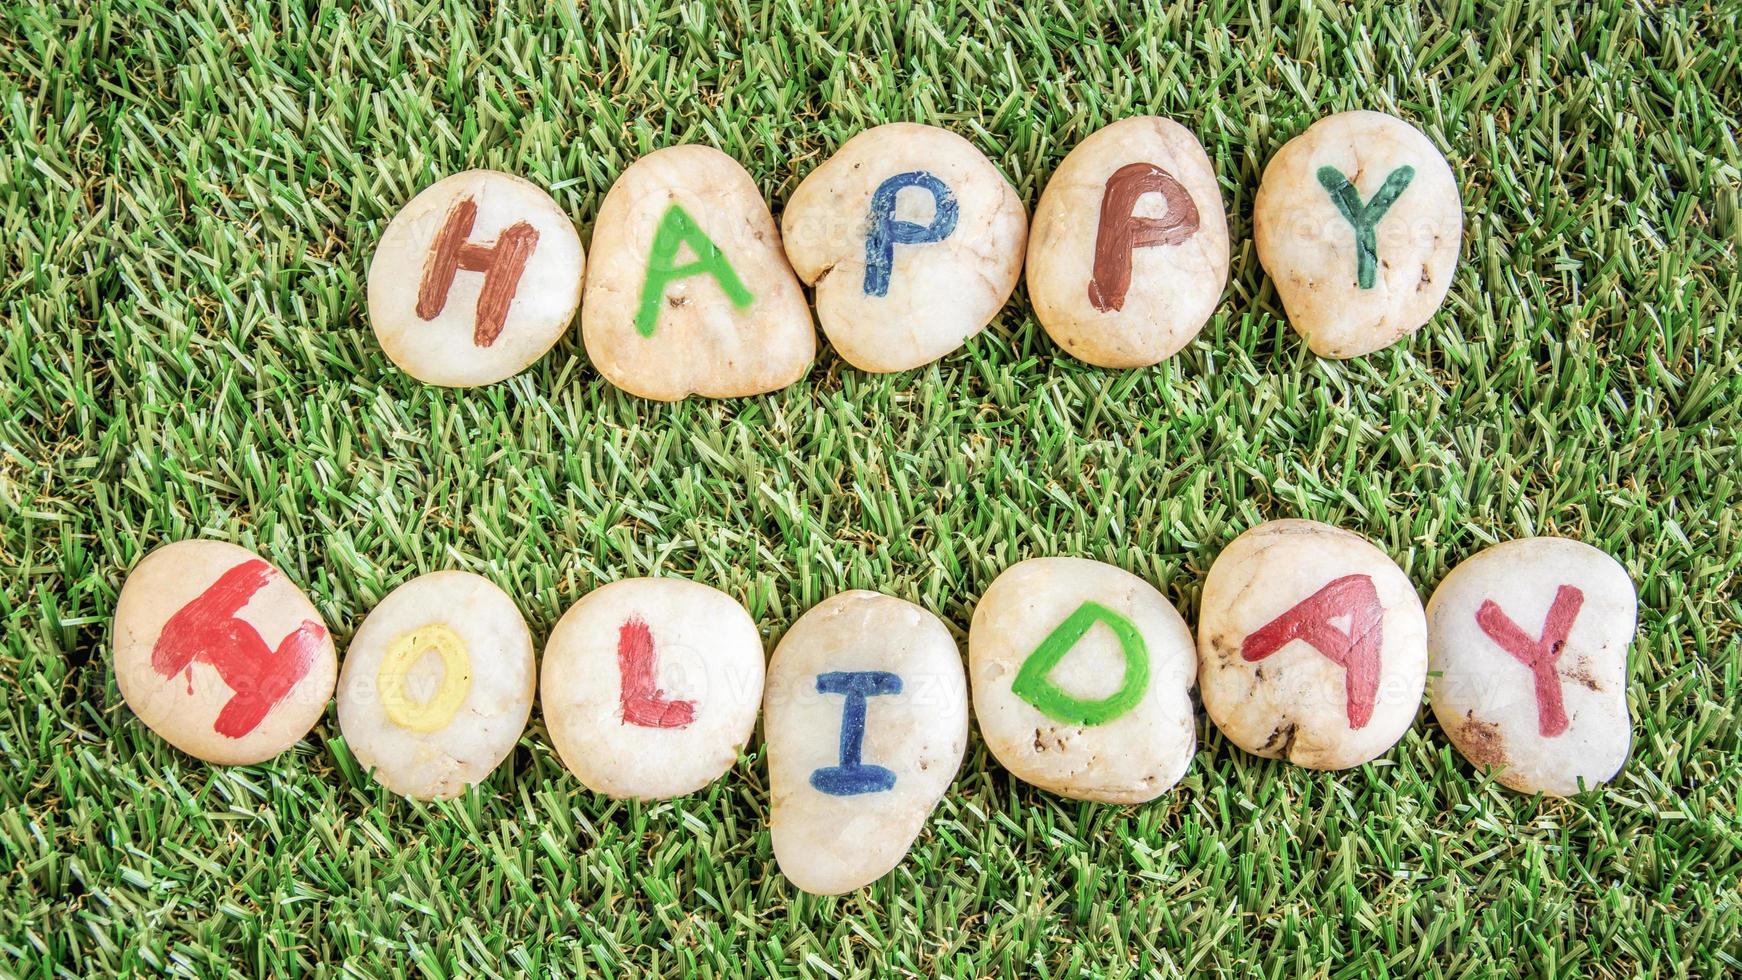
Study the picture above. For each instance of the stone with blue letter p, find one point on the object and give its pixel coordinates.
(913, 240)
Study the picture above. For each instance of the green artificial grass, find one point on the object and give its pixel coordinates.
(191, 194)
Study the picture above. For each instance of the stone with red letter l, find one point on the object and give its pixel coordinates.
(1528, 642)
(221, 654)
(650, 686)
(475, 279)
(1128, 255)
(1312, 645)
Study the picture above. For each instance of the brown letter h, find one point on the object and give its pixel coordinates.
(501, 262)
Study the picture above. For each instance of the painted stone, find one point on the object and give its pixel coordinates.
(1528, 643)
(650, 687)
(437, 685)
(221, 654)
(475, 279)
(867, 719)
(1082, 677)
(689, 291)
(913, 240)
(1129, 253)
(1312, 645)
(1358, 222)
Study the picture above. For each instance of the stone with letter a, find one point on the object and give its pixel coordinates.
(1311, 645)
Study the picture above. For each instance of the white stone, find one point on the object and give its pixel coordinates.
(944, 281)
(650, 687)
(1102, 723)
(520, 245)
(1275, 692)
(221, 654)
(830, 842)
(1129, 252)
(1570, 608)
(1310, 249)
(437, 685)
(723, 317)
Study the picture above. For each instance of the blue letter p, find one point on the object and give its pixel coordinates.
(887, 231)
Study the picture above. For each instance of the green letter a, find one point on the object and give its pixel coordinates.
(1032, 685)
(675, 229)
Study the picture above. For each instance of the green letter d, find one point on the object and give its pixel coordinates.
(1033, 686)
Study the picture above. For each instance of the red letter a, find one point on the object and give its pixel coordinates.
(1356, 651)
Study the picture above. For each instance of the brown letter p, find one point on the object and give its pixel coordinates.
(1120, 231)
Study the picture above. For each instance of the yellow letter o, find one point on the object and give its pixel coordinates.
(434, 714)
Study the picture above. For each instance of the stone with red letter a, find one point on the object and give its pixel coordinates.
(1311, 645)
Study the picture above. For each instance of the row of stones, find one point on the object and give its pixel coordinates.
(913, 241)
(1312, 646)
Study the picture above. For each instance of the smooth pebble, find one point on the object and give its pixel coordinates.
(650, 687)
(437, 685)
(867, 719)
(1358, 221)
(1312, 645)
(689, 291)
(913, 240)
(475, 279)
(1128, 256)
(1082, 675)
(221, 654)
(1528, 645)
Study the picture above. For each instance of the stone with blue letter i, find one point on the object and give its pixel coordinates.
(853, 776)
(866, 710)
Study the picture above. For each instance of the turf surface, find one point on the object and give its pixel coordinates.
(192, 191)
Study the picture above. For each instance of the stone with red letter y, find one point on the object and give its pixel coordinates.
(1528, 642)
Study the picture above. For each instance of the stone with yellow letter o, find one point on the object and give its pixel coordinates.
(437, 685)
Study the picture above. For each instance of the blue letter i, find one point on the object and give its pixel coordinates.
(852, 777)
